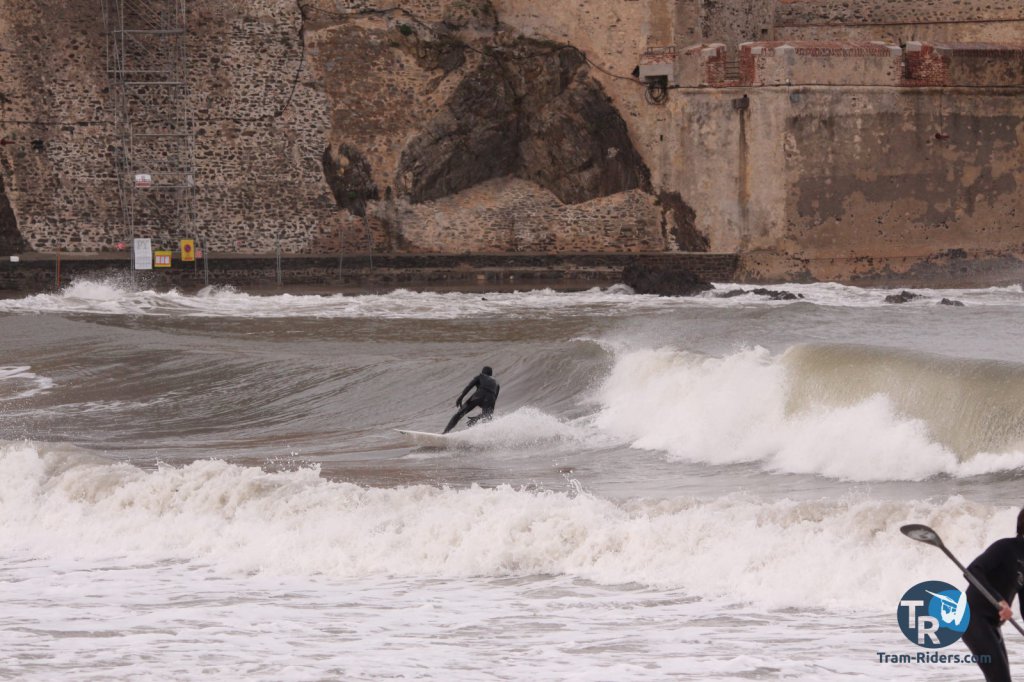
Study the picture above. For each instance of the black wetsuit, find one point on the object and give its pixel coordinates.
(484, 397)
(1000, 568)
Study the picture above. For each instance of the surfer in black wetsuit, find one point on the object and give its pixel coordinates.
(484, 397)
(1000, 569)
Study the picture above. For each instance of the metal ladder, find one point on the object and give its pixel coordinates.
(147, 65)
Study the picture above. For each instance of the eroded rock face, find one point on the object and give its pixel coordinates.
(10, 238)
(679, 221)
(350, 177)
(529, 110)
(475, 14)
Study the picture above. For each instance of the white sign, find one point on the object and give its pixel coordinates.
(142, 254)
(15, 259)
(143, 180)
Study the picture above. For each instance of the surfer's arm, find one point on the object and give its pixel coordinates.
(467, 389)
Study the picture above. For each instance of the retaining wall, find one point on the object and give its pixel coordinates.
(361, 272)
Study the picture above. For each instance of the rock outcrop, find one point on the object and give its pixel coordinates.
(902, 297)
(773, 294)
(10, 238)
(530, 110)
(663, 281)
(350, 178)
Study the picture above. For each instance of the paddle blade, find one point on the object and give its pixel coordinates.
(916, 531)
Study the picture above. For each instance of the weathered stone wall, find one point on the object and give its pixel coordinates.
(302, 118)
(859, 12)
(259, 130)
(341, 126)
(798, 178)
(899, 21)
(894, 21)
(261, 127)
(733, 22)
(55, 158)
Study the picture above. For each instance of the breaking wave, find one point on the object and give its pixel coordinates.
(852, 413)
(61, 503)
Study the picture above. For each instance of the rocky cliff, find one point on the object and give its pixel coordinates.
(452, 126)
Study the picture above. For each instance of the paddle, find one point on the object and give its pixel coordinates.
(916, 531)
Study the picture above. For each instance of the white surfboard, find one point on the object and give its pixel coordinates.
(424, 439)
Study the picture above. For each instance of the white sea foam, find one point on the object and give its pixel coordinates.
(735, 409)
(844, 296)
(526, 427)
(20, 382)
(114, 296)
(60, 504)
(166, 621)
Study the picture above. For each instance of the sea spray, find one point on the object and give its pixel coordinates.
(525, 427)
(752, 406)
(243, 520)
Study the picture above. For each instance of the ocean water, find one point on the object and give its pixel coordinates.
(211, 486)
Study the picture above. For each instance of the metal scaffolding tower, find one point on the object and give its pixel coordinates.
(154, 150)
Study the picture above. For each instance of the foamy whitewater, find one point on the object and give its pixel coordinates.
(211, 486)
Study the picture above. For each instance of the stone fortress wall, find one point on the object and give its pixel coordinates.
(894, 21)
(816, 138)
(840, 158)
(258, 142)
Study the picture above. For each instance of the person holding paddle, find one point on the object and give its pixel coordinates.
(1000, 570)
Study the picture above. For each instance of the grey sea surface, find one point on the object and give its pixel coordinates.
(212, 486)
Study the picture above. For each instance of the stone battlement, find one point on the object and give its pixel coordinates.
(853, 63)
(963, 65)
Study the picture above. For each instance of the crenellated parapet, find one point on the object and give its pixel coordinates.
(824, 63)
(851, 63)
(963, 65)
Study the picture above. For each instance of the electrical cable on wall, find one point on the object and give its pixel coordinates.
(657, 91)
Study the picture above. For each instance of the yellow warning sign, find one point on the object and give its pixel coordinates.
(188, 250)
(161, 259)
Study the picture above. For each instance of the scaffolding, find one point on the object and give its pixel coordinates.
(154, 149)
